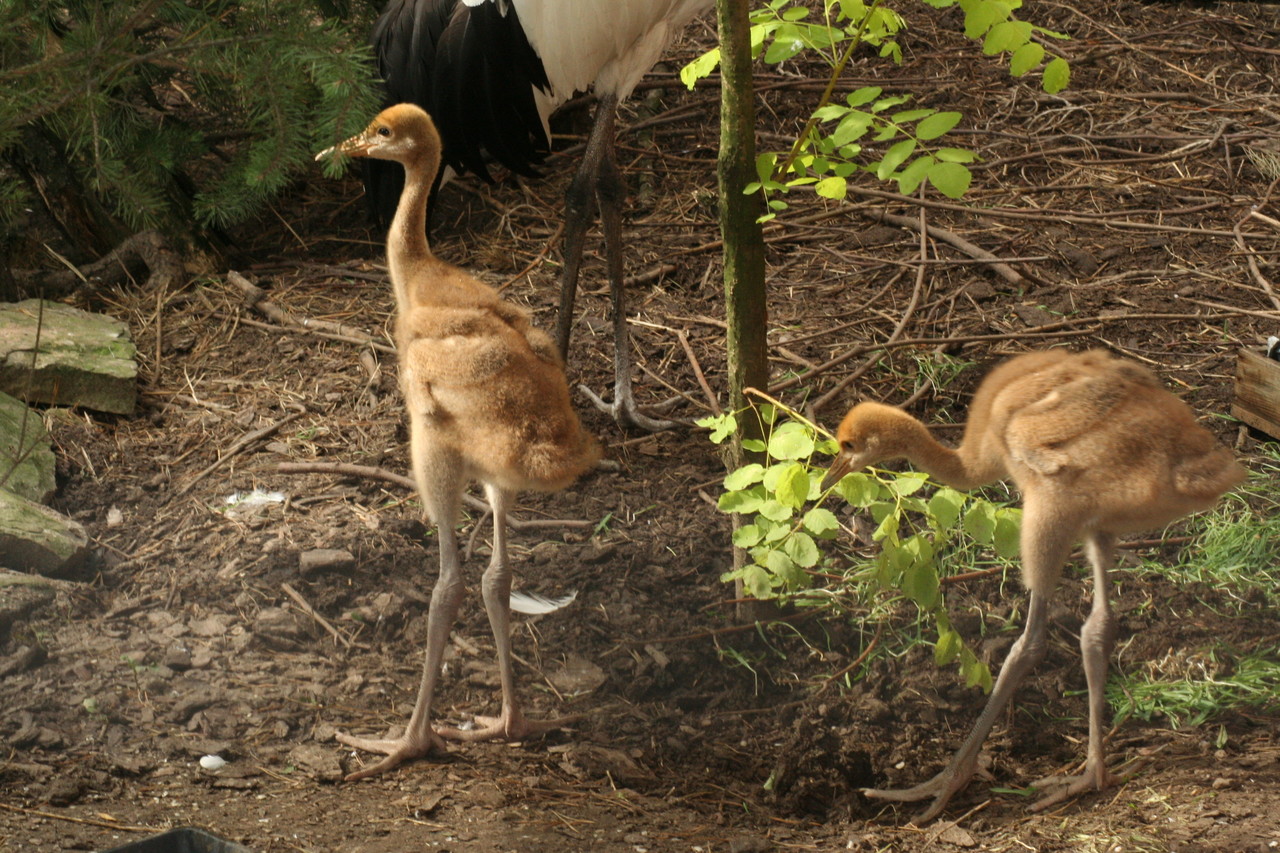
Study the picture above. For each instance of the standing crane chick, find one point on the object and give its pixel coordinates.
(493, 71)
(1098, 449)
(487, 401)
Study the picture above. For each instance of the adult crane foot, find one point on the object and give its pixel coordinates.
(1063, 788)
(941, 787)
(397, 751)
(624, 410)
(511, 725)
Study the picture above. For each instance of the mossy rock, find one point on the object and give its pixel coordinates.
(26, 455)
(34, 538)
(83, 359)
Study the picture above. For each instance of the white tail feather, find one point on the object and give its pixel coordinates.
(534, 605)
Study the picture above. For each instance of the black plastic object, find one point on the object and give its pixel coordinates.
(185, 840)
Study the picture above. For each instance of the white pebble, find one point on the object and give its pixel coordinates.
(213, 762)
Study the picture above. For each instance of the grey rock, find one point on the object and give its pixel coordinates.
(34, 538)
(26, 454)
(84, 359)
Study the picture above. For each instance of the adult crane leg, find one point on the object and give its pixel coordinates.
(440, 486)
(510, 724)
(598, 186)
(1097, 639)
(1045, 547)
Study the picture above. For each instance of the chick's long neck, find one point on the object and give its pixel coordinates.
(408, 253)
(955, 468)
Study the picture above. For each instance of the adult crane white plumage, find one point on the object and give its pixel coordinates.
(491, 72)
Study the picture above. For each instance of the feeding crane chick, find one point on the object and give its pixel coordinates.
(487, 401)
(1098, 449)
(493, 71)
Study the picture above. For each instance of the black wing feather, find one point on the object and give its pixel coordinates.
(473, 70)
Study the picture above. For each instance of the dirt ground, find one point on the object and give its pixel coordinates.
(1122, 207)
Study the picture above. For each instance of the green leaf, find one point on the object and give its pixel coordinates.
(802, 550)
(948, 648)
(745, 476)
(1056, 75)
(862, 96)
(919, 577)
(747, 536)
(937, 124)
(753, 445)
(721, 426)
(741, 502)
(981, 16)
(945, 506)
(774, 510)
(889, 103)
(785, 568)
(775, 532)
(895, 157)
(910, 178)
(832, 188)
(791, 440)
(820, 520)
(908, 483)
(1006, 36)
(765, 164)
(1007, 532)
(700, 67)
(950, 179)
(793, 487)
(907, 116)
(853, 126)
(975, 672)
(858, 489)
(955, 155)
(853, 10)
(887, 529)
(786, 44)
(980, 522)
(1025, 58)
(755, 582)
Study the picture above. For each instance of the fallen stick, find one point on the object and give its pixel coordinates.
(311, 611)
(124, 827)
(368, 472)
(1005, 271)
(256, 298)
(240, 444)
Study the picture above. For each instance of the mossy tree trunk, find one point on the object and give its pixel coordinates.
(746, 310)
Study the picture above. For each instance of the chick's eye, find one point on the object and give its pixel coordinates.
(384, 131)
(846, 446)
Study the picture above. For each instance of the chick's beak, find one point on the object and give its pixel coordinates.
(356, 146)
(841, 465)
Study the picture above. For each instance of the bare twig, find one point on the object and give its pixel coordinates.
(924, 231)
(1252, 260)
(368, 472)
(256, 298)
(240, 444)
(311, 611)
(1005, 271)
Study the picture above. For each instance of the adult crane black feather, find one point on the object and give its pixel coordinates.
(440, 54)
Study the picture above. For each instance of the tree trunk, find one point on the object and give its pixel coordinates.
(745, 307)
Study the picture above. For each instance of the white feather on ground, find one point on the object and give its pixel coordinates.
(533, 604)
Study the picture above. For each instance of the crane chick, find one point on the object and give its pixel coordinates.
(487, 401)
(1098, 449)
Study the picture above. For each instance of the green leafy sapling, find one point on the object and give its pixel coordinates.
(789, 534)
(865, 130)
